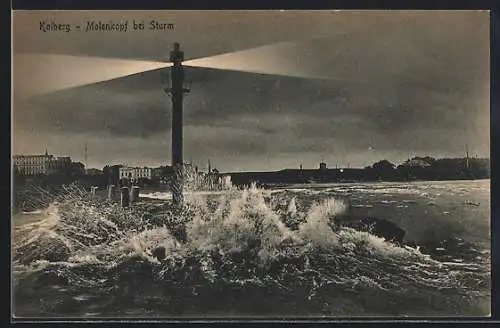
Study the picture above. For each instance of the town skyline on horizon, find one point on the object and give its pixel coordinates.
(210, 162)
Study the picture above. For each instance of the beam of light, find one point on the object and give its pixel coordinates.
(270, 60)
(36, 74)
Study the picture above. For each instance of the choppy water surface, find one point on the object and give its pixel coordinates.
(250, 252)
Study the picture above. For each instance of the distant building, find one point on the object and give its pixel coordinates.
(30, 165)
(138, 173)
(156, 172)
(416, 162)
(60, 163)
(322, 166)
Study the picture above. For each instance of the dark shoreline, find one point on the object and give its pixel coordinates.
(322, 183)
(281, 178)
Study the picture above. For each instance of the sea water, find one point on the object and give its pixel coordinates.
(259, 252)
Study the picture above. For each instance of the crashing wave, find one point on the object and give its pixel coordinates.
(237, 240)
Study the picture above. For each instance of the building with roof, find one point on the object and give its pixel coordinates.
(46, 164)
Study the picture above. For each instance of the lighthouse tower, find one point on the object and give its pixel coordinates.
(176, 91)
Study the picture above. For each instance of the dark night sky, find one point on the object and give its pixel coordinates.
(345, 87)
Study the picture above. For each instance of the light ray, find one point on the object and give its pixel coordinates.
(35, 74)
(277, 59)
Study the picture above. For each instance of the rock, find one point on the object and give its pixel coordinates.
(386, 229)
(379, 227)
(160, 253)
